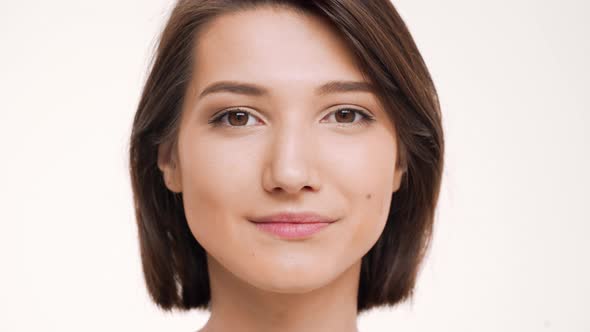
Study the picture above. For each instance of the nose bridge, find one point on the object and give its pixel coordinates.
(291, 153)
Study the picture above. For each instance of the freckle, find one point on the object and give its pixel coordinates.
(368, 196)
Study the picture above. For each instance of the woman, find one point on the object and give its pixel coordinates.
(286, 159)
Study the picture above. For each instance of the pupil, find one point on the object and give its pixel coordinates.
(349, 116)
(241, 117)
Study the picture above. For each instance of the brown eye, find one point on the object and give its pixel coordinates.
(237, 118)
(346, 115)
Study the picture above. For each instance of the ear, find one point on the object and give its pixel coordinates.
(401, 168)
(397, 178)
(168, 165)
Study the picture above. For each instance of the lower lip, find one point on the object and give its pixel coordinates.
(291, 230)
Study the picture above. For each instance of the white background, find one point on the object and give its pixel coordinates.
(510, 250)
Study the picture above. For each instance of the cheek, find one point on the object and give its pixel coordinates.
(214, 182)
(370, 219)
(363, 170)
(365, 178)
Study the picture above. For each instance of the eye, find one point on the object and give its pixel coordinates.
(235, 118)
(240, 118)
(349, 115)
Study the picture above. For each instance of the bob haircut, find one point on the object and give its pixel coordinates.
(174, 263)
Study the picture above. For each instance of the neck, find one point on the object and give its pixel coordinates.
(239, 306)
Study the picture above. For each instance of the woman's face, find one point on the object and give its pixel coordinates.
(290, 150)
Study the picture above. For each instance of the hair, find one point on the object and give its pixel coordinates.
(174, 263)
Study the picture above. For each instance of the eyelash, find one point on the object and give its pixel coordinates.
(365, 120)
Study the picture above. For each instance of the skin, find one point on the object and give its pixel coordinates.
(293, 152)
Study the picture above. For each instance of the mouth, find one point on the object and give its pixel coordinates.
(288, 230)
(293, 224)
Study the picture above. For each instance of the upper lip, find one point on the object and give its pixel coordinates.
(295, 217)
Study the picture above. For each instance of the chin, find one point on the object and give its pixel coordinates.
(294, 280)
(292, 287)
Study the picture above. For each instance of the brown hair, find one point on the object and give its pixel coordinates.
(174, 263)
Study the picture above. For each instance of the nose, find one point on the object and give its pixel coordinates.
(290, 166)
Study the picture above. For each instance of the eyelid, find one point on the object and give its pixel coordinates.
(359, 109)
(218, 115)
(366, 115)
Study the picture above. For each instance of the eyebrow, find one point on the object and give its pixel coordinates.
(255, 90)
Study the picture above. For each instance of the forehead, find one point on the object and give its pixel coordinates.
(275, 47)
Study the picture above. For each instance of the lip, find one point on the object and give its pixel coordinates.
(289, 225)
(288, 230)
(294, 217)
